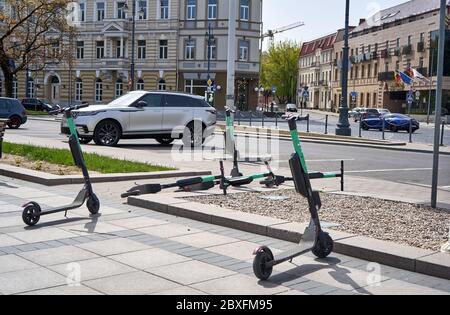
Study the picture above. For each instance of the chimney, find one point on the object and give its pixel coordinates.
(361, 21)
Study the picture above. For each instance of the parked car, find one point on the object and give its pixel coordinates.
(368, 113)
(291, 108)
(37, 104)
(163, 116)
(383, 111)
(12, 109)
(355, 112)
(392, 122)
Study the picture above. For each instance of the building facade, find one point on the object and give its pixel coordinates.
(172, 51)
(397, 38)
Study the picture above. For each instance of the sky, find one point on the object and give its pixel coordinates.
(321, 17)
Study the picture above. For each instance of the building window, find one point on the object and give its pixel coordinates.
(398, 43)
(190, 50)
(80, 50)
(142, 9)
(191, 13)
(397, 65)
(100, 48)
(82, 7)
(212, 50)
(31, 88)
(196, 87)
(245, 10)
(164, 9)
(421, 62)
(422, 37)
(374, 99)
(212, 9)
(121, 10)
(140, 85)
(55, 50)
(163, 49)
(409, 40)
(142, 49)
(78, 90)
(162, 85)
(15, 88)
(98, 90)
(119, 88)
(100, 11)
(243, 50)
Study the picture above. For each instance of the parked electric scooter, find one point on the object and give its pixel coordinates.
(314, 238)
(32, 211)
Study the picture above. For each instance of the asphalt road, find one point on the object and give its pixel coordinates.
(397, 166)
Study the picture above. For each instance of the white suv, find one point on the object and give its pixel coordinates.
(162, 116)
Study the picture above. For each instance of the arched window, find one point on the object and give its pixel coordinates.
(119, 88)
(55, 80)
(78, 90)
(98, 90)
(162, 85)
(140, 85)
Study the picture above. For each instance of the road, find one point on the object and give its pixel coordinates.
(317, 124)
(395, 166)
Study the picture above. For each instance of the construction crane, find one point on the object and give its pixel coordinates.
(271, 33)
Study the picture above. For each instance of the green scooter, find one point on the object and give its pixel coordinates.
(32, 211)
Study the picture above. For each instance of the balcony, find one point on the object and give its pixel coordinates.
(421, 47)
(384, 54)
(407, 50)
(115, 63)
(397, 52)
(386, 76)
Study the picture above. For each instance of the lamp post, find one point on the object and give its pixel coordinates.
(343, 126)
(133, 40)
(209, 37)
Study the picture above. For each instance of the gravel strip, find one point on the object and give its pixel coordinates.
(398, 222)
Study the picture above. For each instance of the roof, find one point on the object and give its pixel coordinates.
(323, 43)
(400, 12)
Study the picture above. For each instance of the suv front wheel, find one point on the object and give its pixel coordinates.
(107, 133)
(193, 135)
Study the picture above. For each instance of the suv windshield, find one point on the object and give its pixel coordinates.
(126, 100)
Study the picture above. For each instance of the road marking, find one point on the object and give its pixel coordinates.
(392, 170)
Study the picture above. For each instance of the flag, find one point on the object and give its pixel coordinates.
(416, 75)
(398, 78)
(401, 76)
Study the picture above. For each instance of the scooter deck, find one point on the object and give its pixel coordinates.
(72, 206)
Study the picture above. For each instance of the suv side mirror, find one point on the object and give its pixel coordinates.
(141, 104)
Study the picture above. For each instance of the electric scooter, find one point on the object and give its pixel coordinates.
(32, 211)
(314, 238)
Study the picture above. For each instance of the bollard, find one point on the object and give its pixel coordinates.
(342, 176)
(360, 128)
(263, 120)
(410, 131)
(250, 118)
(238, 113)
(383, 129)
(326, 124)
(442, 133)
(307, 124)
(276, 121)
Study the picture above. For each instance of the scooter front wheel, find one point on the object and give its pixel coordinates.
(324, 246)
(93, 204)
(31, 214)
(260, 268)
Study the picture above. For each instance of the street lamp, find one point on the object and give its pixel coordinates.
(133, 39)
(343, 126)
(209, 37)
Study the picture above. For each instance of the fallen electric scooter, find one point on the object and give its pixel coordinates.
(314, 238)
(32, 211)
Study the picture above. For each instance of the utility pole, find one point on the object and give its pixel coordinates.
(431, 85)
(437, 130)
(343, 126)
(231, 63)
(133, 48)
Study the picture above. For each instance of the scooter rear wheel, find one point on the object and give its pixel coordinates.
(324, 246)
(93, 204)
(260, 268)
(31, 215)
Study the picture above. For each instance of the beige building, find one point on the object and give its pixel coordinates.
(397, 38)
(171, 51)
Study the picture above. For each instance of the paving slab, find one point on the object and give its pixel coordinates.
(437, 265)
(78, 290)
(9, 263)
(241, 250)
(42, 235)
(57, 256)
(156, 203)
(239, 285)
(113, 247)
(93, 227)
(93, 268)
(137, 222)
(180, 291)
(191, 272)
(397, 287)
(29, 280)
(150, 258)
(6, 240)
(169, 230)
(135, 283)
(204, 240)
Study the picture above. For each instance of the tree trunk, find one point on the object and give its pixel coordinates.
(9, 79)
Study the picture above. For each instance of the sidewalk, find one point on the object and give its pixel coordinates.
(128, 250)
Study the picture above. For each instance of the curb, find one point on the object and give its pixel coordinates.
(55, 180)
(387, 253)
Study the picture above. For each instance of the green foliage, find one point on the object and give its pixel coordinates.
(94, 162)
(280, 69)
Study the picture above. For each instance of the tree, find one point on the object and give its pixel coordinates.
(280, 69)
(33, 35)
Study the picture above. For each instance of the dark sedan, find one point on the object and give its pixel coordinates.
(392, 122)
(37, 104)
